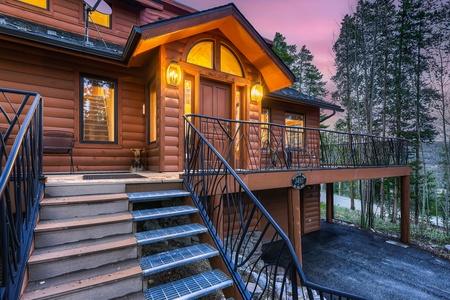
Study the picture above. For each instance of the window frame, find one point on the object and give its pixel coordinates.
(291, 141)
(115, 113)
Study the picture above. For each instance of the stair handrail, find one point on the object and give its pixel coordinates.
(20, 186)
(272, 271)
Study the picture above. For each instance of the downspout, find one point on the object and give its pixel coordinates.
(327, 117)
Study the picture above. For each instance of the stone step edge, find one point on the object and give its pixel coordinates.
(83, 284)
(81, 251)
(51, 201)
(47, 226)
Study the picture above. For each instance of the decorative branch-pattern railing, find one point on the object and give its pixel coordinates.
(21, 169)
(256, 251)
(255, 146)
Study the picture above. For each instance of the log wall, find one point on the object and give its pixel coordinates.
(57, 78)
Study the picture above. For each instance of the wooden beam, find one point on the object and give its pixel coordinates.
(405, 235)
(294, 222)
(330, 202)
(273, 179)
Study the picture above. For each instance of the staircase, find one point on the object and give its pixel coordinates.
(120, 246)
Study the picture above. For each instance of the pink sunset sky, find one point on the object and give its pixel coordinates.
(314, 23)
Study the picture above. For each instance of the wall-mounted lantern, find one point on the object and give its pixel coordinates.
(256, 92)
(173, 74)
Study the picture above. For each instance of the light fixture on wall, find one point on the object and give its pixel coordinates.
(173, 74)
(256, 92)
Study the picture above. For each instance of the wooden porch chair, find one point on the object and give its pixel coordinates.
(58, 142)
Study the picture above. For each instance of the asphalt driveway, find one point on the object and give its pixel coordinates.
(358, 262)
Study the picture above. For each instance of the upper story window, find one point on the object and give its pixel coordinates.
(98, 109)
(38, 3)
(203, 54)
(100, 19)
(265, 118)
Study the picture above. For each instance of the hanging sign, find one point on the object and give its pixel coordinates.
(298, 181)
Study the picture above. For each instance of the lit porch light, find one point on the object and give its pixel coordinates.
(173, 74)
(256, 92)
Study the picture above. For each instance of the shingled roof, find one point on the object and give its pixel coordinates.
(296, 96)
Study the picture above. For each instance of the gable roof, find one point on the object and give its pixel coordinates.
(230, 21)
(298, 97)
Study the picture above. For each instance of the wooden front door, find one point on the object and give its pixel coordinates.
(215, 101)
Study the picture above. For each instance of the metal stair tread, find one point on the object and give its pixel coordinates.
(162, 212)
(83, 199)
(191, 287)
(82, 279)
(80, 248)
(46, 225)
(156, 195)
(152, 236)
(174, 258)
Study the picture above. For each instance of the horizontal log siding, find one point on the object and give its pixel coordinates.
(68, 15)
(275, 202)
(310, 208)
(56, 78)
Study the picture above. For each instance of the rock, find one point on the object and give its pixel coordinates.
(447, 247)
(254, 289)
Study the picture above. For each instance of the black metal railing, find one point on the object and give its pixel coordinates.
(256, 146)
(21, 190)
(256, 251)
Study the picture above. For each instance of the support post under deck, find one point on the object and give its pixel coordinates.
(329, 202)
(405, 235)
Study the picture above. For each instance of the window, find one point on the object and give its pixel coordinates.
(265, 118)
(38, 3)
(152, 115)
(201, 54)
(229, 62)
(99, 111)
(100, 19)
(294, 136)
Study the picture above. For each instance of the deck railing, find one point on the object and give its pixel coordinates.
(256, 251)
(256, 146)
(20, 188)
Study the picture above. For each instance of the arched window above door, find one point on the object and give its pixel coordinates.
(203, 54)
(229, 62)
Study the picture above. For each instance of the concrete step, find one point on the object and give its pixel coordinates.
(175, 258)
(106, 282)
(58, 208)
(153, 236)
(162, 212)
(190, 288)
(54, 261)
(157, 195)
(58, 232)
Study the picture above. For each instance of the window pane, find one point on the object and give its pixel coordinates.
(201, 54)
(294, 136)
(229, 62)
(187, 96)
(153, 118)
(98, 110)
(38, 3)
(265, 118)
(100, 19)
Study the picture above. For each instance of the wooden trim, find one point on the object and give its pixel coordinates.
(280, 179)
